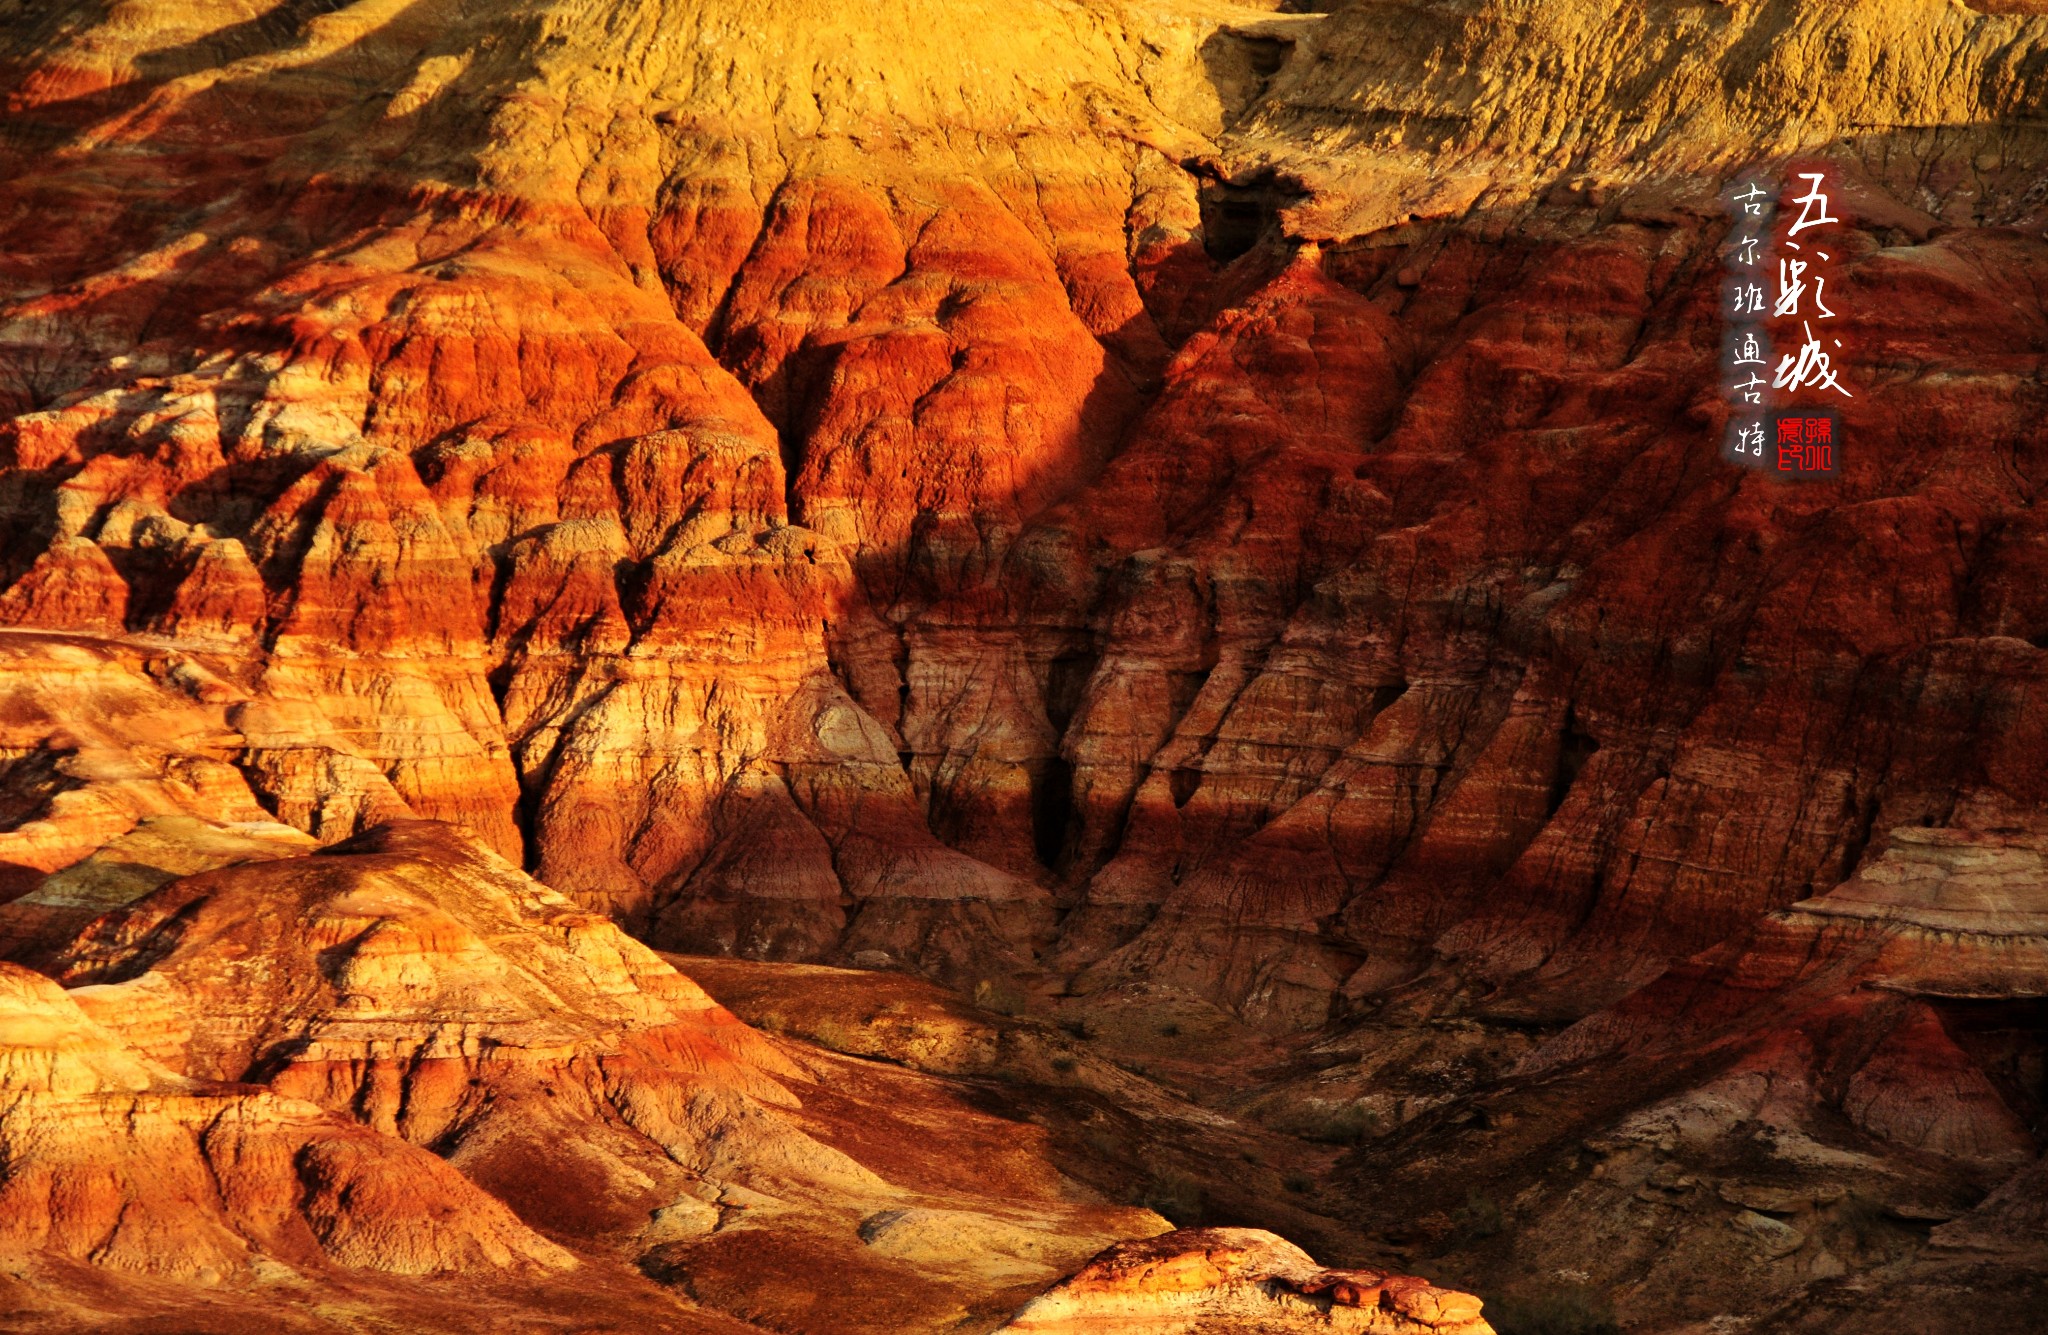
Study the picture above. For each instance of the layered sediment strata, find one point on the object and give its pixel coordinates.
(434, 993)
(407, 1002)
(112, 1158)
(1871, 990)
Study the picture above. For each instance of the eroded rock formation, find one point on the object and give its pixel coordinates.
(109, 1157)
(402, 1054)
(803, 513)
(1179, 508)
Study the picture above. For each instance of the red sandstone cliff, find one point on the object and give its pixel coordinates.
(1124, 500)
(803, 513)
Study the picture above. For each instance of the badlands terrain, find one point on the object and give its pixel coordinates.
(1064, 666)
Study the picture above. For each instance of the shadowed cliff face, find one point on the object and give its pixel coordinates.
(1824, 1123)
(1144, 504)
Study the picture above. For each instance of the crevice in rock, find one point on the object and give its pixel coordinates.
(1238, 211)
(280, 567)
(1182, 687)
(789, 446)
(717, 329)
(1052, 810)
(1238, 215)
(526, 819)
(535, 782)
(1240, 65)
(835, 668)
(1066, 680)
(1576, 748)
(1864, 819)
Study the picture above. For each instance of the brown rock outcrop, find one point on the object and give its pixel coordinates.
(1860, 996)
(1211, 1280)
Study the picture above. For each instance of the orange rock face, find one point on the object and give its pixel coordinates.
(438, 1017)
(112, 1158)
